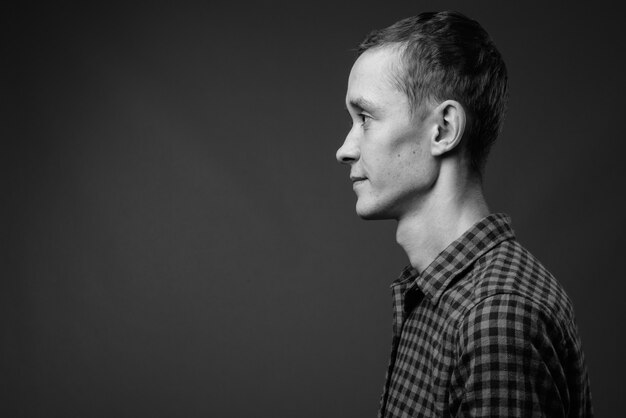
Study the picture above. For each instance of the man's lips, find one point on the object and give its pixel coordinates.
(357, 179)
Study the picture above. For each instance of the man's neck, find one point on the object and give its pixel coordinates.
(450, 210)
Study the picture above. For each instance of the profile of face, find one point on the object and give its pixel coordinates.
(388, 147)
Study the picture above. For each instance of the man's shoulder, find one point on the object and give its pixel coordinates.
(510, 271)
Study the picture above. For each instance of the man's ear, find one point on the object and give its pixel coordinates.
(450, 118)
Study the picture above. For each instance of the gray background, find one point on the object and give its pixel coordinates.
(178, 240)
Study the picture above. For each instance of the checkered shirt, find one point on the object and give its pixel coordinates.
(484, 331)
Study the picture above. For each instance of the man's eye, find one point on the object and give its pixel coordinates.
(364, 118)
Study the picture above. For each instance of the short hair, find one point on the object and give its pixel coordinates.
(448, 56)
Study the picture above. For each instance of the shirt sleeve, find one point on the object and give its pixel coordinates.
(509, 362)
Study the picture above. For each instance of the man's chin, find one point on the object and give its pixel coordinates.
(371, 214)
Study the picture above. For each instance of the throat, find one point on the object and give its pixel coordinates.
(421, 240)
(425, 235)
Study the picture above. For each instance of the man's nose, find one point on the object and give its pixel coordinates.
(348, 152)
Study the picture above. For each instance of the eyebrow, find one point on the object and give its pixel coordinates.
(362, 103)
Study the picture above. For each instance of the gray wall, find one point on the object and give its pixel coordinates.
(178, 240)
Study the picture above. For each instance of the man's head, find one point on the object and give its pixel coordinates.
(447, 56)
(425, 88)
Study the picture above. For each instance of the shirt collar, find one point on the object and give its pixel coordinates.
(458, 256)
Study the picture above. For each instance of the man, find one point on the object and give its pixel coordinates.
(481, 328)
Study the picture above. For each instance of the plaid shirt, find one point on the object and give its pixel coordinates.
(484, 331)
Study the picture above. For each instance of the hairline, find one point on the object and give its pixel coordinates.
(398, 77)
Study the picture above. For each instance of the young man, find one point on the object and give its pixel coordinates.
(481, 328)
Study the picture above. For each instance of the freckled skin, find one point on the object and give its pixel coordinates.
(391, 149)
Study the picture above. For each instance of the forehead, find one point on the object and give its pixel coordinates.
(372, 77)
